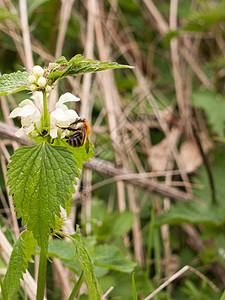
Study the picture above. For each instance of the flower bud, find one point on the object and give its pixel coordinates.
(41, 82)
(48, 89)
(32, 79)
(33, 88)
(38, 71)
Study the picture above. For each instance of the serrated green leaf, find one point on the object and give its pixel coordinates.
(41, 178)
(82, 255)
(79, 153)
(13, 83)
(21, 254)
(78, 65)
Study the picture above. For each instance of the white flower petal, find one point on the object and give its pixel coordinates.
(53, 133)
(26, 102)
(27, 110)
(15, 113)
(38, 100)
(67, 97)
(72, 114)
(60, 115)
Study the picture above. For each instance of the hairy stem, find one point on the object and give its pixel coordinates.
(45, 117)
(41, 275)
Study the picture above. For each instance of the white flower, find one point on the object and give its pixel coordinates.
(32, 79)
(48, 89)
(33, 88)
(29, 114)
(41, 82)
(62, 116)
(38, 71)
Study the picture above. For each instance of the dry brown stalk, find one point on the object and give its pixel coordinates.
(26, 35)
(178, 274)
(65, 11)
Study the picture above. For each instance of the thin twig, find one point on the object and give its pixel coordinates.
(178, 274)
(104, 297)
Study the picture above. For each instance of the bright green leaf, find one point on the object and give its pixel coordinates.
(223, 296)
(13, 83)
(78, 65)
(21, 254)
(41, 178)
(79, 153)
(134, 288)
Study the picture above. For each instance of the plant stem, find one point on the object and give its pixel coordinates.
(41, 275)
(45, 117)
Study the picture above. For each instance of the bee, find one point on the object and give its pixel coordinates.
(82, 130)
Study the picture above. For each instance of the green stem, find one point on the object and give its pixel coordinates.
(45, 117)
(41, 275)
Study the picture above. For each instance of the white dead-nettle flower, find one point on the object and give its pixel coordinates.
(41, 82)
(30, 116)
(32, 79)
(62, 116)
(38, 71)
(48, 89)
(30, 113)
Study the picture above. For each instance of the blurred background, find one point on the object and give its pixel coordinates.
(152, 199)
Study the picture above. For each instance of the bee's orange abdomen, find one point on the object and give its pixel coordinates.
(88, 127)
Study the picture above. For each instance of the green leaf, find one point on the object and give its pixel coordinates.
(13, 83)
(78, 65)
(82, 255)
(109, 256)
(223, 296)
(6, 14)
(122, 223)
(76, 287)
(61, 249)
(194, 213)
(79, 153)
(213, 106)
(134, 288)
(41, 178)
(21, 254)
